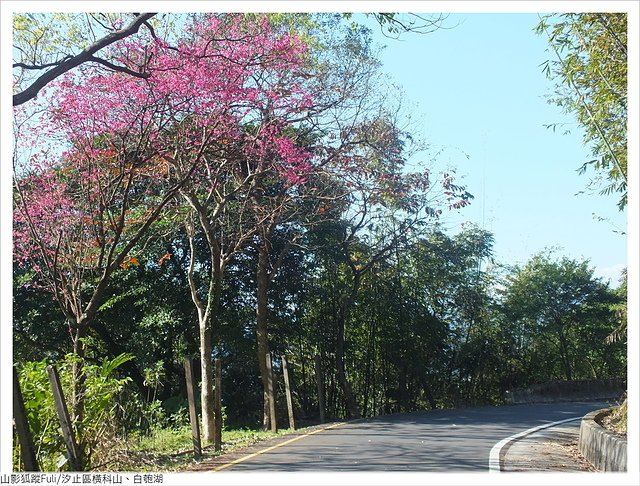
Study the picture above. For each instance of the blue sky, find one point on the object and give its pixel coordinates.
(480, 92)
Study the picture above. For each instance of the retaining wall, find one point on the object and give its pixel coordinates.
(604, 449)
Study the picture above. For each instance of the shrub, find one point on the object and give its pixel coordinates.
(98, 426)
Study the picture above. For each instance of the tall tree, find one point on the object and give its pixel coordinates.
(266, 66)
(555, 302)
(454, 287)
(386, 209)
(133, 144)
(339, 76)
(75, 223)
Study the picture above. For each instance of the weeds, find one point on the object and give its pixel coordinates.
(170, 450)
(619, 418)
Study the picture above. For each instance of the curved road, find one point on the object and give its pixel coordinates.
(436, 441)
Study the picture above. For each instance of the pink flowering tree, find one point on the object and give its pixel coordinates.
(279, 201)
(122, 147)
(355, 177)
(342, 155)
(254, 143)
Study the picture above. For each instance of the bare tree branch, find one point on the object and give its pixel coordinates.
(84, 56)
(121, 69)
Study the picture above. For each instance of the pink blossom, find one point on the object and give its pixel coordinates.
(111, 128)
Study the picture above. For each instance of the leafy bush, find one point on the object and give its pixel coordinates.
(99, 424)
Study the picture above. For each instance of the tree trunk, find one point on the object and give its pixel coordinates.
(207, 309)
(79, 377)
(564, 355)
(368, 388)
(303, 387)
(352, 406)
(206, 388)
(79, 388)
(207, 396)
(262, 321)
(402, 387)
(427, 391)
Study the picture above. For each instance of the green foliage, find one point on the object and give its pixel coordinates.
(38, 401)
(590, 71)
(36, 320)
(99, 423)
(563, 314)
(619, 309)
(393, 24)
(153, 377)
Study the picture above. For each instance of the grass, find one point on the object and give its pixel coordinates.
(619, 418)
(171, 450)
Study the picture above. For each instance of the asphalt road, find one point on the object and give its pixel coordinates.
(435, 441)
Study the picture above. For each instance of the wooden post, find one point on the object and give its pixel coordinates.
(287, 389)
(272, 396)
(320, 382)
(217, 405)
(73, 450)
(25, 438)
(193, 413)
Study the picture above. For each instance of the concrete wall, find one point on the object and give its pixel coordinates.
(557, 391)
(605, 450)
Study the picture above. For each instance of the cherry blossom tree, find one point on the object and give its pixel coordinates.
(234, 163)
(237, 119)
(352, 151)
(121, 147)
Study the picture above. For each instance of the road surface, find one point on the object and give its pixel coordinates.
(435, 441)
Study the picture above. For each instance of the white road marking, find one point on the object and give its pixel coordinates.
(494, 455)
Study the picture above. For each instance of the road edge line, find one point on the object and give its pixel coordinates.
(250, 456)
(494, 455)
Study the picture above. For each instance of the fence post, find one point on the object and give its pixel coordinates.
(193, 414)
(217, 405)
(320, 382)
(287, 389)
(65, 422)
(272, 395)
(25, 438)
